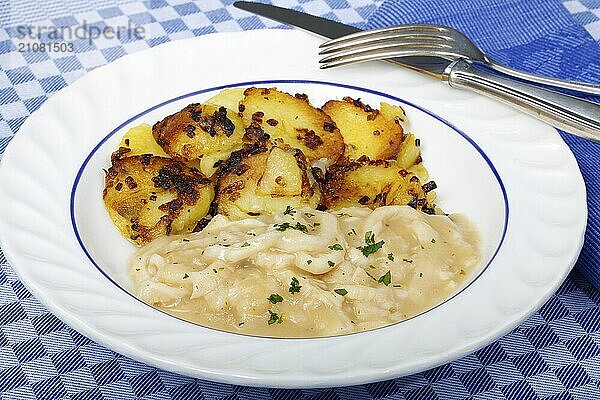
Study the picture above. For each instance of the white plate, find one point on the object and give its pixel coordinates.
(512, 175)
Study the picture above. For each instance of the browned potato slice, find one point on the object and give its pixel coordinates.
(367, 131)
(374, 184)
(260, 180)
(203, 132)
(148, 196)
(140, 141)
(294, 121)
(229, 98)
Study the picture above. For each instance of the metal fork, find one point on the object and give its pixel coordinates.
(424, 40)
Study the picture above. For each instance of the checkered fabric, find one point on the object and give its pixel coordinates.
(554, 355)
(587, 13)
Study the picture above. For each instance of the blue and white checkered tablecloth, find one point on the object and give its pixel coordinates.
(555, 354)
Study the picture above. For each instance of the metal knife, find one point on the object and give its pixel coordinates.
(574, 115)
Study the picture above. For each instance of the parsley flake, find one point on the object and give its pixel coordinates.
(309, 262)
(185, 276)
(432, 240)
(344, 215)
(274, 318)
(289, 211)
(309, 215)
(286, 225)
(246, 244)
(341, 292)
(275, 298)
(407, 260)
(185, 240)
(294, 286)
(371, 247)
(352, 232)
(390, 256)
(385, 279)
(330, 263)
(336, 246)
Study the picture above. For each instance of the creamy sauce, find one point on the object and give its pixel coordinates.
(306, 273)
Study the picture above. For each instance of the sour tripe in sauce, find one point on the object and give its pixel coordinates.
(308, 273)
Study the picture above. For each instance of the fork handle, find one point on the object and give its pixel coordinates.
(576, 116)
(582, 87)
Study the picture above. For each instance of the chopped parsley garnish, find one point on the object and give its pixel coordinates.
(185, 240)
(215, 270)
(462, 272)
(341, 292)
(138, 269)
(407, 260)
(185, 276)
(309, 215)
(251, 233)
(390, 256)
(385, 279)
(246, 244)
(275, 298)
(352, 232)
(420, 274)
(371, 247)
(273, 318)
(330, 263)
(289, 211)
(286, 225)
(294, 286)
(344, 215)
(432, 240)
(316, 224)
(309, 262)
(336, 246)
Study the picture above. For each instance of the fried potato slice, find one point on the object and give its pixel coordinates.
(229, 98)
(139, 140)
(367, 131)
(260, 180)
(374, 184)
(294, 121)
(204, 132)
(148, 196)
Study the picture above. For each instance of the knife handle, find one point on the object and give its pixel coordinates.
(571, 114)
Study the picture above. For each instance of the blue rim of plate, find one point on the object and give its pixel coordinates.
(288, 81)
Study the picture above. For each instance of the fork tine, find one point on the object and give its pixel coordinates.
(420, 46)
(365, 41)
(383, 54)
(392, 29)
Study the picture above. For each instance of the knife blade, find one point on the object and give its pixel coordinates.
(332, 30)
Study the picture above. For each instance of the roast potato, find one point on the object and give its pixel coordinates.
(292, 120)
(367, 131)
(204, 132)
(229, 98)
(149, 196)
(139, 140)
(263, 180)
(373, 184)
